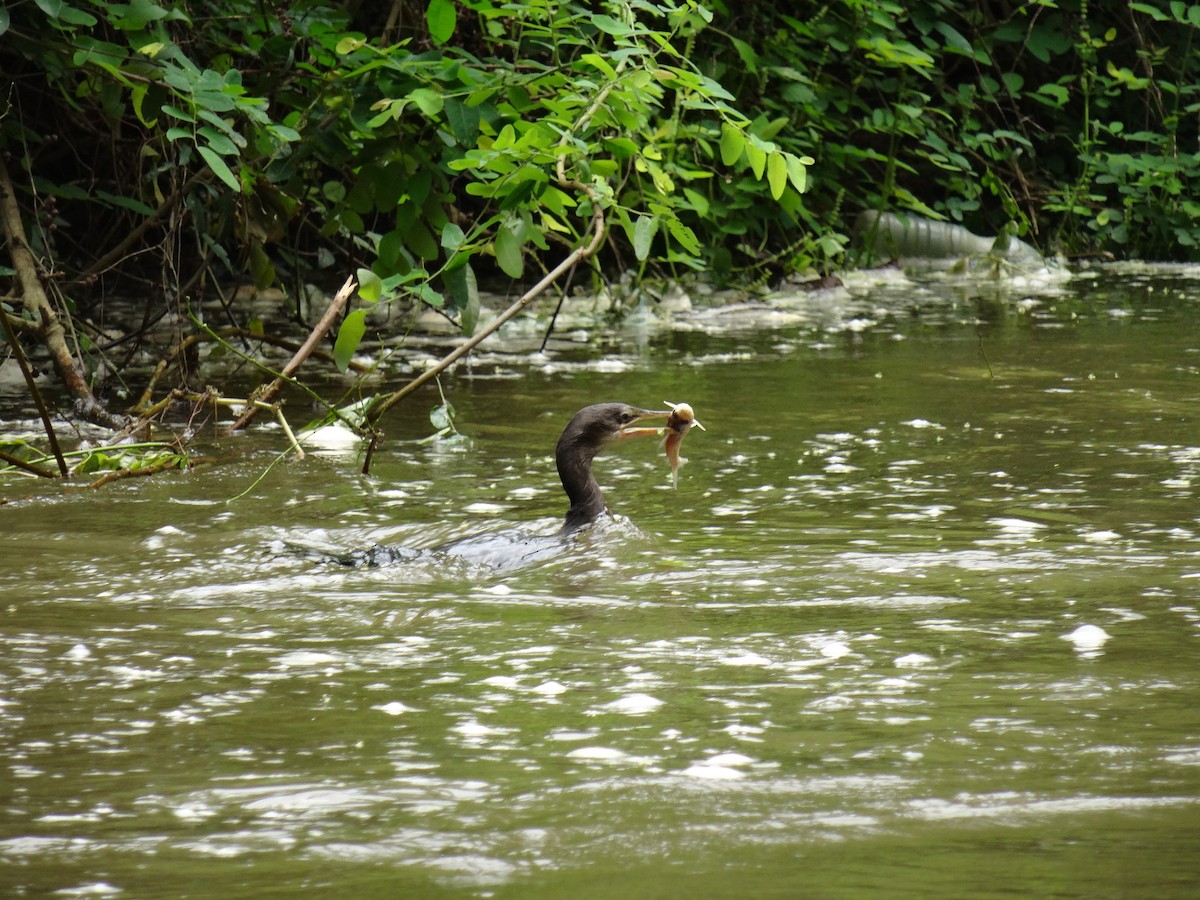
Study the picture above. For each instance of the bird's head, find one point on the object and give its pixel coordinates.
(591, 430)
(593, 427)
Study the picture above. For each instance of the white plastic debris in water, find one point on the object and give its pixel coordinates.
(729, 760)
(746, 659)
(306, 658)
(604, 754)
(1014, 526)
(331, 439)
(550, 688)
(485, 509)
(501, 681)
(79, 651)
(835, 650)
(94, 889)
(475, 729)
(713, 773)
(913, 660)
(1087, 637)
(395, 708)
(634, 704)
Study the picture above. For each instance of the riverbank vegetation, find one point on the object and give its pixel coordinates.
(197, 153)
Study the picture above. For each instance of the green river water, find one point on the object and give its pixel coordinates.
(836, 662)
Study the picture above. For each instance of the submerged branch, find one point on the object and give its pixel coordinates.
(30, 467)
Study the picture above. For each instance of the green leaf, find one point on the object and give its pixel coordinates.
(505, 139)
(1053, 94)
(64, 12)
(391, 252)
(684, 235)
(427, 100)
(129, 203)
(442, 417)
(429, 296)
(955, 42)
(219, 168)
(452, 237)
(777, 174)
(350, 335)
(464, 296)
(370, 288)
(1046, 42)
(440, 17)
(218, 142)
(508, 251)
(609, 25)
(463, 120)
(598, 62)
(138, 96)
(643, 236)
(733, 141)
(757, 157)
(1152, 11)
(418, 240)
(748, 56)
(797, 171)
(699, 202)
(261, 269)
(138, 14)
(283, 133)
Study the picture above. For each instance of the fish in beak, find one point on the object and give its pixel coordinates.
(678, 421)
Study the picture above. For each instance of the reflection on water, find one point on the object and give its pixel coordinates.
(921, 618)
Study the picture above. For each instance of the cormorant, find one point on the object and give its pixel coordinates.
(590, 430)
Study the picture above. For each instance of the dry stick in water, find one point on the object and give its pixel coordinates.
(318, 333)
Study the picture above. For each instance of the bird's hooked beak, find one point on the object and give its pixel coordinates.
(633, 428)
(679, 418)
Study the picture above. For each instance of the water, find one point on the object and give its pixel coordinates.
(835, 662)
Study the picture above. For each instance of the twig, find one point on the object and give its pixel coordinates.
(557, 309)
(30, 467)
(118, 474)
(23, 363)
(114, 256)
(318, 333)
(287, 429)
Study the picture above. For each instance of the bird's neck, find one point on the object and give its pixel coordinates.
(587, 502)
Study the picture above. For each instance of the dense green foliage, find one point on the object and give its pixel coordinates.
(176, 147)
(1078, 121)
(280, 141)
